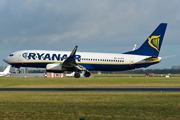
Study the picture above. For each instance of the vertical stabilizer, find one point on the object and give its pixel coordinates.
(6, 71)
(152, 45)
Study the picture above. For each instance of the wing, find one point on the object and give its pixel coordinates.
(68, 65)
(70, 62)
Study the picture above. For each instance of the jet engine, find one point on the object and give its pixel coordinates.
(54, 67)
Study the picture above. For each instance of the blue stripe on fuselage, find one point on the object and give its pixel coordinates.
(89, 66)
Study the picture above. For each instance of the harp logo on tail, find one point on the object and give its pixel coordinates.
(154, 42)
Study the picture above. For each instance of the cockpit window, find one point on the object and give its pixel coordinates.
(11, 55)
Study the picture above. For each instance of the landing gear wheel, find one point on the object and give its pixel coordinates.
(87, 74)
(77, 75)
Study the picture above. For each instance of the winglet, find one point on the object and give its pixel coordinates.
(72, 55)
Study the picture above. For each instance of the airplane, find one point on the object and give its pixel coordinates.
(72, 74)
(61, 61)
(6, 71)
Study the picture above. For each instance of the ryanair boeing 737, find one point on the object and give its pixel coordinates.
(60, 61)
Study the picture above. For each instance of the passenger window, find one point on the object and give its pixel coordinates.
(11, 55)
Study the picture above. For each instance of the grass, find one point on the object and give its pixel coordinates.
(90, 106)
(107, 81)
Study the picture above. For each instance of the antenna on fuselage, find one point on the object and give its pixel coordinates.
(134, 48)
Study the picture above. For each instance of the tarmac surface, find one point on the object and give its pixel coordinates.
(122, 89)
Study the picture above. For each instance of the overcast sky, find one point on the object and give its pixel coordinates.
(112, 26)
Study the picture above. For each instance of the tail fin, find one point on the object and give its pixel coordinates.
(152, 45)
(7, 69)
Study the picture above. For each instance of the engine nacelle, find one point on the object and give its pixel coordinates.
(54, 67)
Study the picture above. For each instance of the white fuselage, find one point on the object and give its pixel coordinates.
(89, 60)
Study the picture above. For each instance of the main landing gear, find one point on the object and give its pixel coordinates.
(77, 75)
(86, 74)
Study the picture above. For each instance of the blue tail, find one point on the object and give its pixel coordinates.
(152, 45)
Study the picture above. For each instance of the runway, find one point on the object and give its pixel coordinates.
(122, 89)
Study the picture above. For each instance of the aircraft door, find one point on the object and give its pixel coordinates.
(131, 61)
(19, 57)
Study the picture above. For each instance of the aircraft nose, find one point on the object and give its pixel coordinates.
(5, 60)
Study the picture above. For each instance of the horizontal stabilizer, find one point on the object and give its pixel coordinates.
(168, 56)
